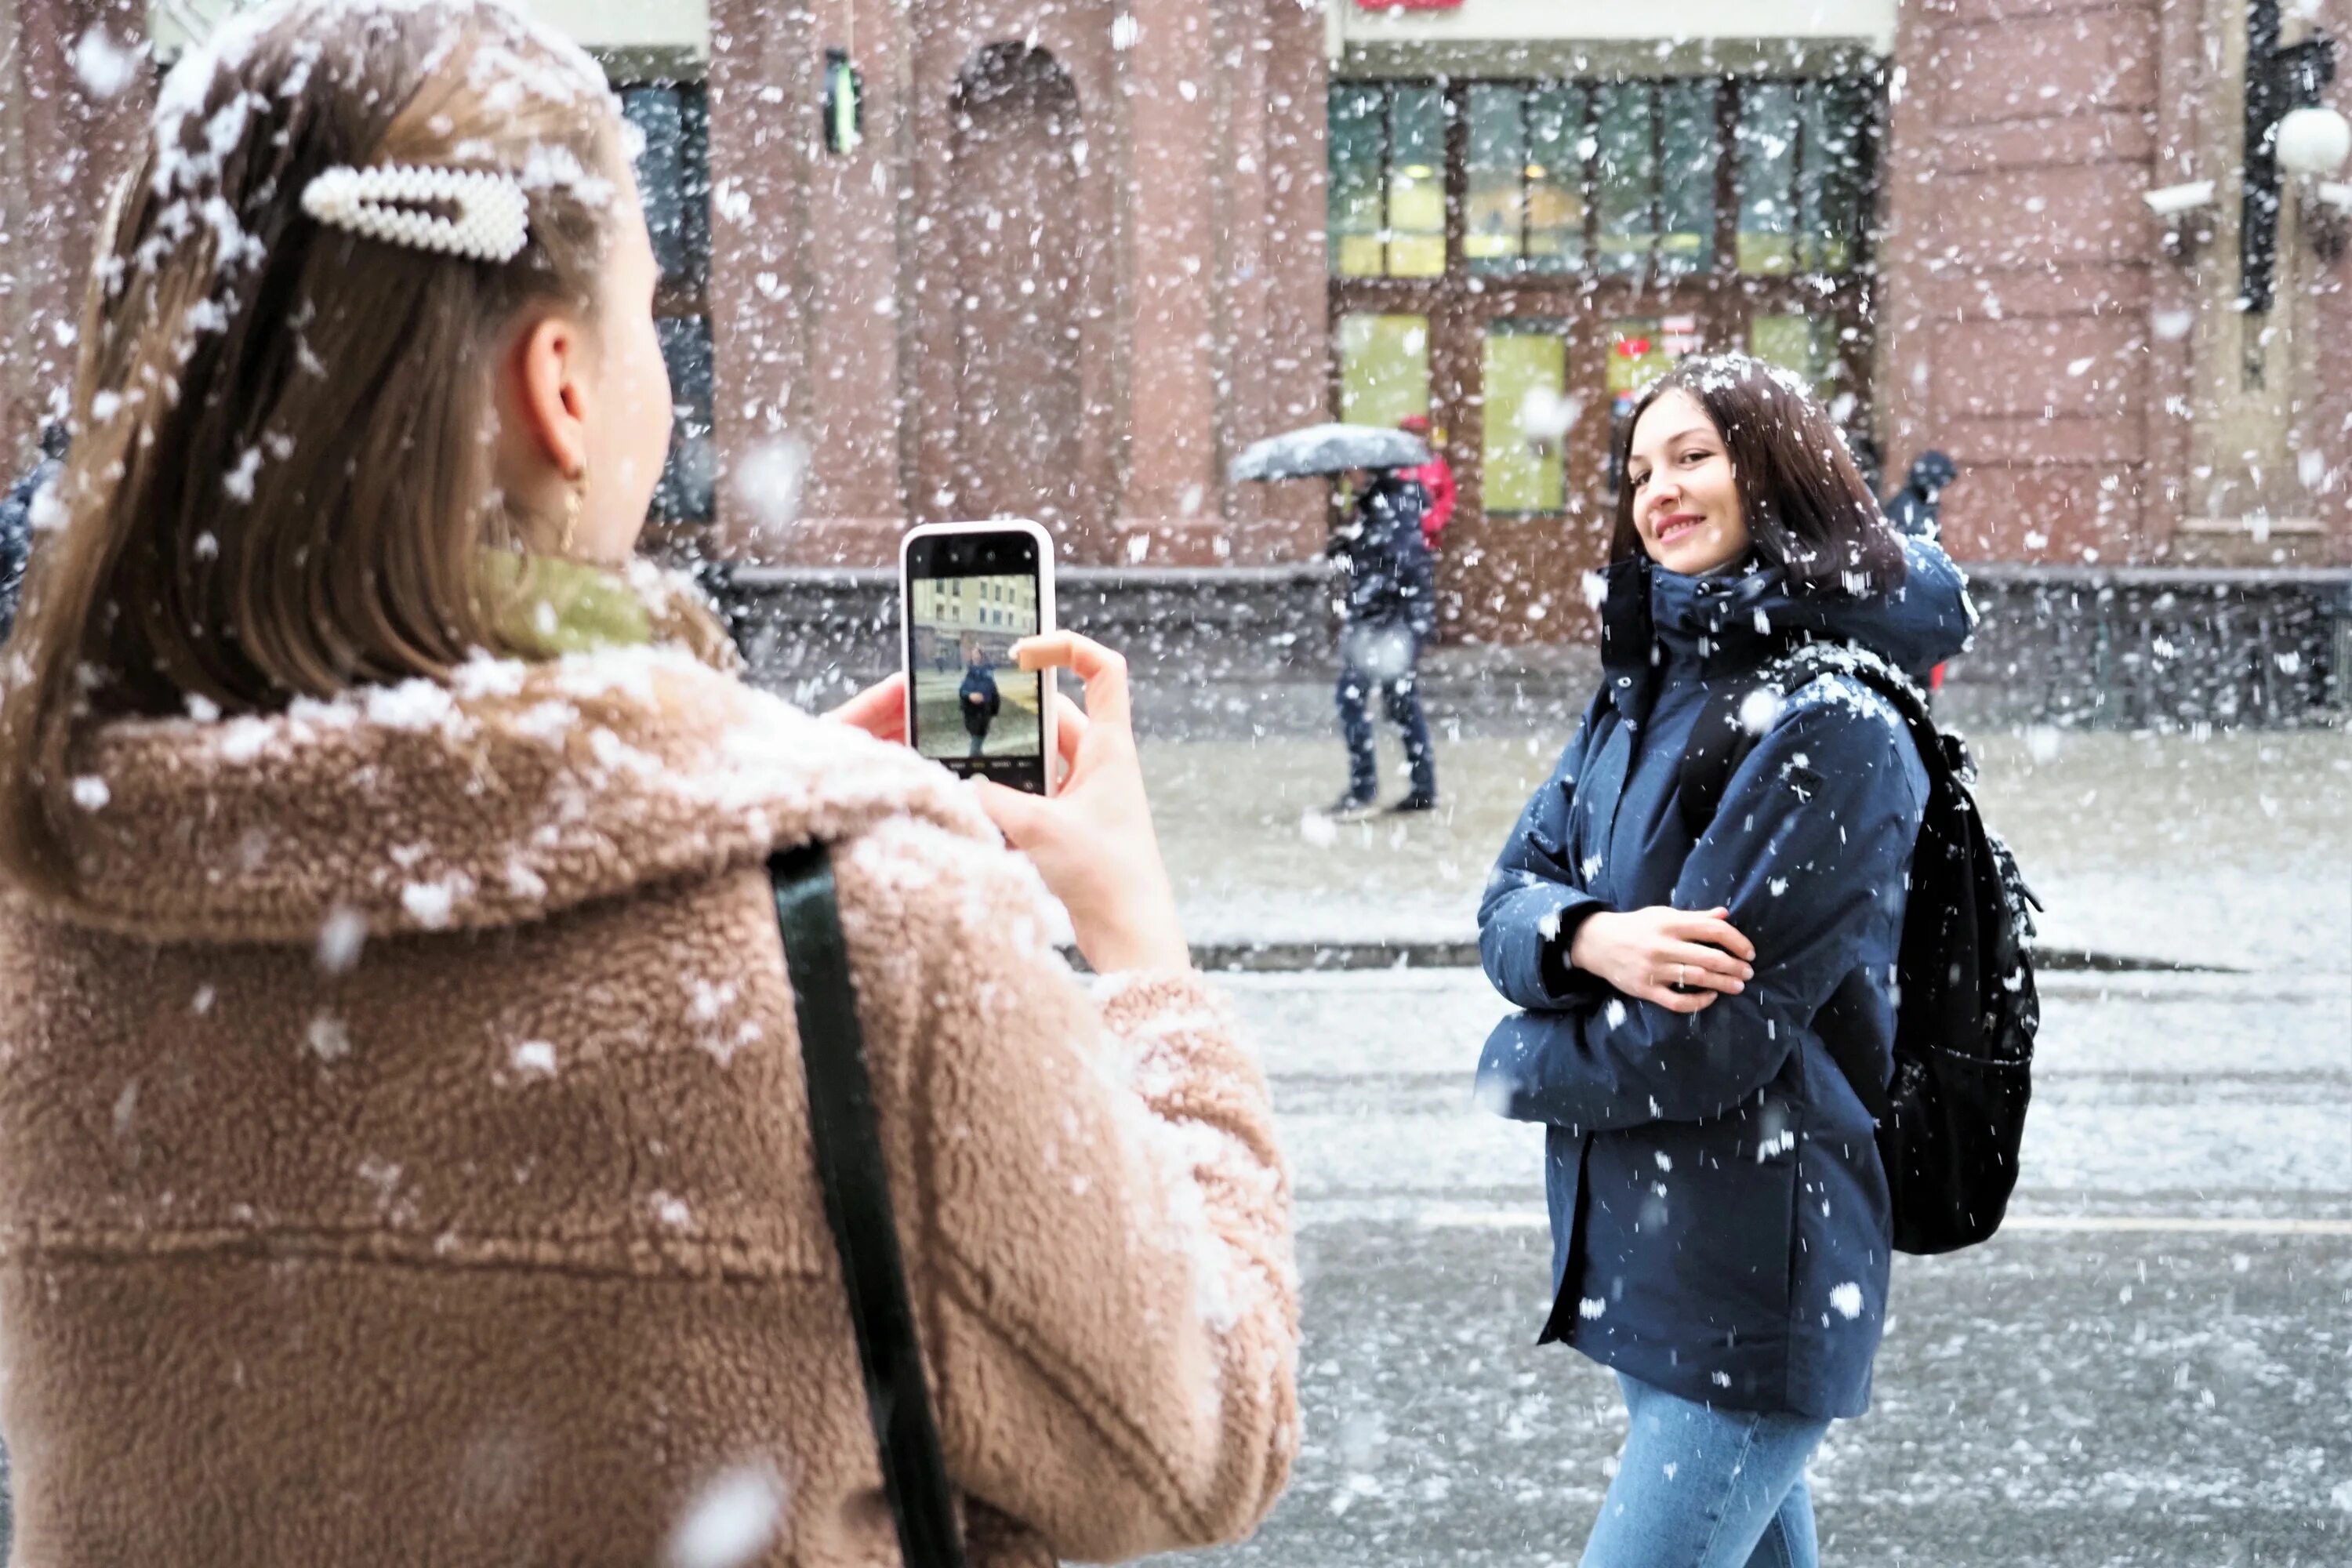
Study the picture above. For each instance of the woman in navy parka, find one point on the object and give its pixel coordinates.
(1720, 1233)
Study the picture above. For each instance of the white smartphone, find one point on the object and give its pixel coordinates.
(967, 592)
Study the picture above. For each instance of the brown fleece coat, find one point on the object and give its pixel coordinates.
(406, 1157)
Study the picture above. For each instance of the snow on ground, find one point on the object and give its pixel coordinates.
(2149, 1367)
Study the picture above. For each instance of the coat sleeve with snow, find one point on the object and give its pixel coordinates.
(1809, 851)
(1112, 1312)
(1535, 896)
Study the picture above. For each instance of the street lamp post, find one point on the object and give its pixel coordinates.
(2278, 79)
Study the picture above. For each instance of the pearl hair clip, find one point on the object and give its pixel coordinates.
(390, 204)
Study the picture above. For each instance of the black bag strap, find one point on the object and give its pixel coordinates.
(1721, 741)
(848, 1144)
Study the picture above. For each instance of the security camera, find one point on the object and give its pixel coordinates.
(2172, 201)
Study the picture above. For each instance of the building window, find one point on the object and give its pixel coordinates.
(1388, 181)
(1801, 185)
(1526, 190)
(1615, 179)
(673, 170)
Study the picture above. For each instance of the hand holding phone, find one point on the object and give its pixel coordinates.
(1094, 844)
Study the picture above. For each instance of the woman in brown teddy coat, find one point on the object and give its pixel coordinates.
(400, 1093)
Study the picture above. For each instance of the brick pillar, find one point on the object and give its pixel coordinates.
(60, 147)
(1298, 333)
(761, 85)
(2018, 271)
(854, 311)
(1173, 489)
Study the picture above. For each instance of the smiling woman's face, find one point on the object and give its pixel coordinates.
(1685, 503)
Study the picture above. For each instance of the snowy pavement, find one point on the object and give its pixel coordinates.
(2152, 1364)
(2231, 851)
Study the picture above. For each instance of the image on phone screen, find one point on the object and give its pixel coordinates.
(972, 708)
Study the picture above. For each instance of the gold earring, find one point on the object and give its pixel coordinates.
(575, 499)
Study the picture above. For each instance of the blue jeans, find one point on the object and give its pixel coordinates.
(1383, 659)
(1702, 1487)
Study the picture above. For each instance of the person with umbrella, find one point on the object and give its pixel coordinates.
(1387, 599)
(1389, 609)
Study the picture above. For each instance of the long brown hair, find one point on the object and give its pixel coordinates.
(282, 479)
(1808, 509)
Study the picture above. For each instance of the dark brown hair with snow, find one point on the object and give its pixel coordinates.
(1808, 509)
(282, 476)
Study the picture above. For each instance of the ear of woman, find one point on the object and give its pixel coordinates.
(584, 401)
(549, 387)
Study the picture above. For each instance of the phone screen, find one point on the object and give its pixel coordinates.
(970, 598)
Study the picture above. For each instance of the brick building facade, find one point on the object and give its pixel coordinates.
(1064, 259)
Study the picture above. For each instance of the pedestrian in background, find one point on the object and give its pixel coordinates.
(1917, 509)
(1388, 610)
(1916, 512)
(978, 698)
(401, 1087)
(17, 521)
(1720, 1219)
(1436, 479)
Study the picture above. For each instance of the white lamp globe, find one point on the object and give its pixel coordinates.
(2314, 142)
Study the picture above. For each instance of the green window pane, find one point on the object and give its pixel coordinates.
(1833, 184)
(1526, 364)
(1626, 173)
(1384, 368)
(1496, 217)
(1417, 184)
(1799, 344)
(1555, 173)
(1686, 178)
(1767, 178)
(1358, 129)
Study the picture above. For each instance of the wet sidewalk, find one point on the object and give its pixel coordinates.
(2230, 850)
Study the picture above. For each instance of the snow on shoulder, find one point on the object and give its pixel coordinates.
(510, 792)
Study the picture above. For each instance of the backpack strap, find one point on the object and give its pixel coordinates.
(1721, 741)
(847, 1141)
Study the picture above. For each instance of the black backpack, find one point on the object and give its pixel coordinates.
(1967, 1011)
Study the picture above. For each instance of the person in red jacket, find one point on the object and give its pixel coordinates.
(1436, 477)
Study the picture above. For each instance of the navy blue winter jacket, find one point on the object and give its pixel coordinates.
(979, 681)
(1718, 1212)
(1389, 577)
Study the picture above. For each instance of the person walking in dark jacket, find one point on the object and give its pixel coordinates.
(1720, 1220)
(17, 522)
(978, 698)
(1916, 510)
(1389, 609)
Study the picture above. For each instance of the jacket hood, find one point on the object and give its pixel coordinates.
(511, 792)
(1653, 617)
